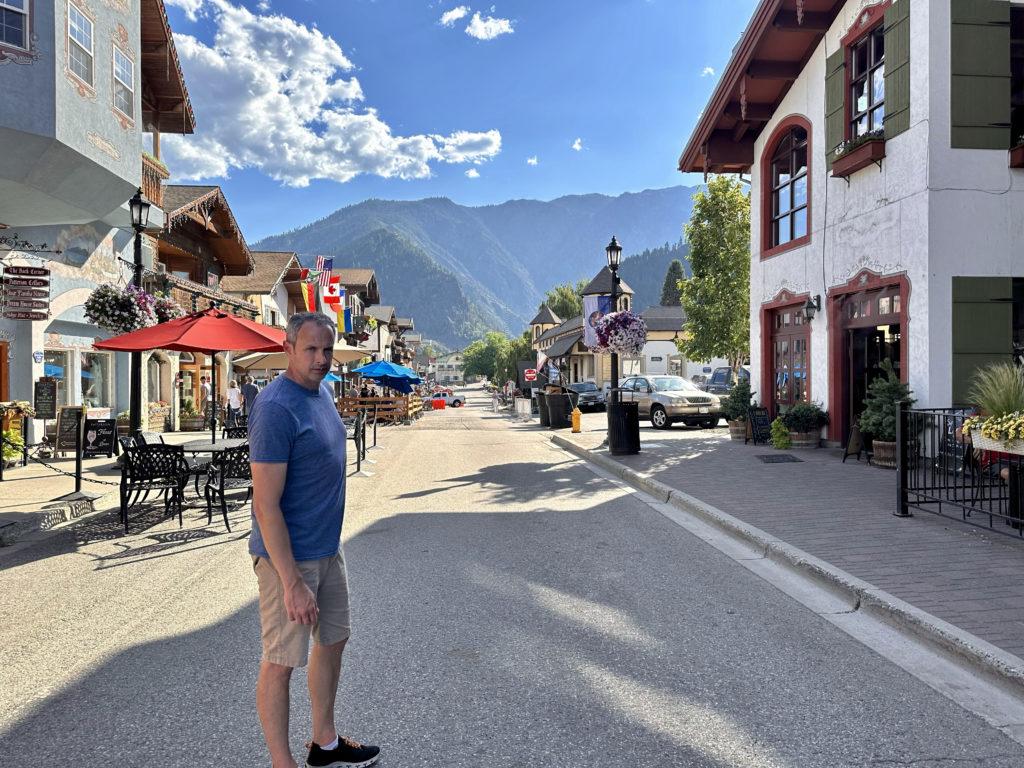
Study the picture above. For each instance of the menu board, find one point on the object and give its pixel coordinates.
(100, 435)
(760, 425)
(68, 419)
(46, 398)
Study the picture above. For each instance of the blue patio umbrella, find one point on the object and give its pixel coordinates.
(54, 371)
(390, 375)
(332, 377)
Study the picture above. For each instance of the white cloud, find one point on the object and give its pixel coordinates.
(449, 18)
(488, 28)
(472, 173)
(273, 94)
(578, 144)
(531, 160)
(707, 72)
(190, 7)
(263, 5)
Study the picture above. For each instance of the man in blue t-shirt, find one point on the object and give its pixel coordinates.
(297, 450)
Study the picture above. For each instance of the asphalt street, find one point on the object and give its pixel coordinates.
(511, 607)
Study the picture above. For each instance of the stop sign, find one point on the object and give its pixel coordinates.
(530, 374)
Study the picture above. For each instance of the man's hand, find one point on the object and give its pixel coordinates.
(300, 603)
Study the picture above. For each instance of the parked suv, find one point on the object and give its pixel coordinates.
(721, 381)
(590, 397)
(668, 399)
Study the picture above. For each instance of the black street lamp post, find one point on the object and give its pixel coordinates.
(139, 208)
(614, 254)
(623, 422)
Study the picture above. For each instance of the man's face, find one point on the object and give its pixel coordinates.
(309, 359)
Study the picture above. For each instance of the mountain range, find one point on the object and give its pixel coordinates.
(460, 271)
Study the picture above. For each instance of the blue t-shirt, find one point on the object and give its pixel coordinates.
(292, 424)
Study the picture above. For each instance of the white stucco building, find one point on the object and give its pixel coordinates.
(914, 242)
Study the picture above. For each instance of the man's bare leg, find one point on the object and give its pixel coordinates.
(272, 705)
(322, 678)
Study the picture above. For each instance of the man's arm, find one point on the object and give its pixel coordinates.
(268, 484)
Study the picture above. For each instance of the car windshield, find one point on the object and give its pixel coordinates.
(673, 384)
(584, 386)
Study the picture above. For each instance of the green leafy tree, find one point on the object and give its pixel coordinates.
(566, 300)
(671, 291)
(716, 298)
(478, 358)
(517, 350)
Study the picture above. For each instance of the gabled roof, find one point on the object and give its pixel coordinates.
(563, 346)
(165, 102)
(359, 281)
(660, 318)
(207, 207)
(572, 324)
(405, 324)
(381, 313)
(779, 39)
(545, 316)
(269, 269)
(602, 284)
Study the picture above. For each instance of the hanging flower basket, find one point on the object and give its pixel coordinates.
(624, 333)
(120, 310)
(165, 308)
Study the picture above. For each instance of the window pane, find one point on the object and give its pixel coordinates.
(123, 68)
(96, 379)
(19, 4)
(860, 96)
(859, 59)
(783, 199)
(80, 62)
(884, 305)
(800, 223)
(878, 118)
(12, 28)
(784, 234)
(860, 126)
(800, 160)
(80, 28)
(780, 172)
(55, 365)
(123, 99)
(877, 45)
(800, 192)
(896, 305)
(878, 85)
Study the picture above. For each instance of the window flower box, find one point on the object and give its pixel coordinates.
(859, 157)
(1017, 156)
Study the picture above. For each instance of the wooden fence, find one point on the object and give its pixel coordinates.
(390, 410)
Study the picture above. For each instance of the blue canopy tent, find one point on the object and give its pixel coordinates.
(397, 377)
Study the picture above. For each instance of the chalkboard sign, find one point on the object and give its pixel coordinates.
(46, 398)
(100, 435)
(68, 419)
(760, 425)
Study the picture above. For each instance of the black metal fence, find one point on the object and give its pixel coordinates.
(942, 472)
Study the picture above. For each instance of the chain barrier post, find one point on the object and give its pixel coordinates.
(78, 451)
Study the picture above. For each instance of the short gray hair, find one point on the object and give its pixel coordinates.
(299, 319)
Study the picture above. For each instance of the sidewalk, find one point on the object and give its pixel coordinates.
(953, 584)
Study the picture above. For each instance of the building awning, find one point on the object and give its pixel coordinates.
(563, 346)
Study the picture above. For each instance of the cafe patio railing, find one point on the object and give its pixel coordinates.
(940, 471)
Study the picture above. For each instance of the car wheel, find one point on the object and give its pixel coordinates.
(709, 423)
(659, 419)
(456, 404)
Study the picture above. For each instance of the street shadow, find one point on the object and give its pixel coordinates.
(517, 482)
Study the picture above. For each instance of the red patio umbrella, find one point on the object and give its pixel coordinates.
(208, 331)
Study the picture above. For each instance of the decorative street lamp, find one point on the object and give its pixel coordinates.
(810, 307)
(139, 208)
(614, 254)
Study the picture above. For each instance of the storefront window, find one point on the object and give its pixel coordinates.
(97, 382)
(56, 364)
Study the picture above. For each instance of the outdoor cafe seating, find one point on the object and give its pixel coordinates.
(152, 468)
(229, 470)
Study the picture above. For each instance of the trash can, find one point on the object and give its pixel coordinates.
(623, 429)
(559, 411)
(542, 408)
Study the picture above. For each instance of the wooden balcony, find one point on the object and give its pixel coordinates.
(154, 174)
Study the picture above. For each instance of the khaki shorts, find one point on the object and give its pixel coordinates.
(287, 642)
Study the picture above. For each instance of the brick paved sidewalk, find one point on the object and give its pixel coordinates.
(842, 514)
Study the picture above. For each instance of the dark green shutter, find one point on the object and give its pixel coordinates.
(979, 93)
(897, 68)
(835, 104)
(982, 325)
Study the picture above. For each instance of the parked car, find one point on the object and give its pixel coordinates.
(668, 399)
(450, 400)
(591, 398)
(722, 380)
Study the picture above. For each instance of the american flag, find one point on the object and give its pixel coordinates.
(323, 266)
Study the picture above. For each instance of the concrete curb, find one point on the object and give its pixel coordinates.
(1001, 667)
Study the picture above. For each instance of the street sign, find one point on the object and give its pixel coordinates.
(25, 293)
(530, 374)
(18, 314)
(26, 271)
(27, 282)
(25, 304)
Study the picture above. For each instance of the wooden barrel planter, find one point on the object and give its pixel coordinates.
(737, 430)
(884, 454)
(190, 423)
(804, 439)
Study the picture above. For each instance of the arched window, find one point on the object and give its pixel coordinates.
(786, 182)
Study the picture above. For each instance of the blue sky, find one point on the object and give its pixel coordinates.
(305, 106)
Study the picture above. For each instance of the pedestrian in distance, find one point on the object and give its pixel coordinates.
(233, 400)
(249, 392)
(297, 452)
(204, 398)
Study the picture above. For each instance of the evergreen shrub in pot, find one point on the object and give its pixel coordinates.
(804, 422)
(882, 410)
(734, 408)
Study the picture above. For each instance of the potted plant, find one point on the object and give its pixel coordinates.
(780, 434)
(190, 419)
(734, 408)
(881, 412)
(159, 412)
(859, 152)
(805, 421)
(123, 422)
(165, 308)
(624, 333)
(998, 391)
(14, 445)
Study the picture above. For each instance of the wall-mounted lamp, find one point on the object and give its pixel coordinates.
(810, 307)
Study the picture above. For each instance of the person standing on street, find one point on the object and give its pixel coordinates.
(234, 402)
(298, 456)
(249, 392)
(204, 397)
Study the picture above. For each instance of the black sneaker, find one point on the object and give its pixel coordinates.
(347, 753)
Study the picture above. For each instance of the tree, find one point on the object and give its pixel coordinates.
(566, 300)
(671, 292)
(716, 298)
(479, 357)
(518, 349)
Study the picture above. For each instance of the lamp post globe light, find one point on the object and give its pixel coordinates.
(613, 253)
(138, 206)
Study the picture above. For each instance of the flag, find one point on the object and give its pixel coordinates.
(594, 308)
(324, 266)
(541, 359)
(332, 294)
(309, 296)
(348, 319)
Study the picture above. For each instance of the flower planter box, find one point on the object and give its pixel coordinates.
(867, 153)
(804, 439)
(157, 421)
(122, 427)
(191, 423)
(988, 444)
(1017, 157)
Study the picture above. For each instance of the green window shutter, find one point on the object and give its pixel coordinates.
(835, 103)
(982, 325)
(979, 92)
(897, 68)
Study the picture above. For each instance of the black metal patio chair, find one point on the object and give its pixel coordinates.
(228, 471)
(236, 432)
(153, 468)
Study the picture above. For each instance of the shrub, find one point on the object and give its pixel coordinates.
(805, 417)
(780, 434)
(14, 444)
(998, 389)
(735, 404)
(884, 396)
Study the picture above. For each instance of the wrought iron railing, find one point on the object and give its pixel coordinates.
(942, 472)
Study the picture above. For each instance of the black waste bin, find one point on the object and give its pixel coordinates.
(623, 429)
(559, 411)
(542, 408)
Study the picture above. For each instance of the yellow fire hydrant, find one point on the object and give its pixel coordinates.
(576, 419)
